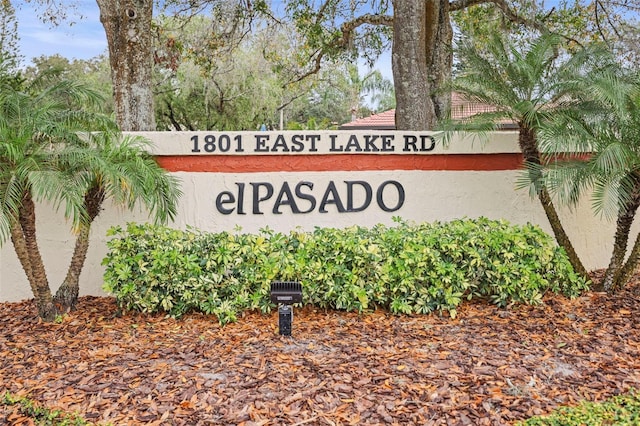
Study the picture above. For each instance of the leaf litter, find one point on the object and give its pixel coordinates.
(488, 366)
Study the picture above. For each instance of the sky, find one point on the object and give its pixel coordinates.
(83, 40)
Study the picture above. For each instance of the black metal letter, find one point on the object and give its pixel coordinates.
(310, 198)
(228, 199)
(240, 198)
(367, 200)
(288, 200)
(256, 195)
(331, 191)
(380, 198)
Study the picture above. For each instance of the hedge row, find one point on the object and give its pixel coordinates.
(407, 268)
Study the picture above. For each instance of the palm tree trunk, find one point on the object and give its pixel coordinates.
(629, 267)
(559, 233)
(612, 279)
(36, 271)
(623, 224)
(67, 295)
(20, 247)
(529, 148)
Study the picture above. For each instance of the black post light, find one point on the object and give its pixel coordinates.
(285, 294)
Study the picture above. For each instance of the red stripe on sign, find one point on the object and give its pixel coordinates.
(339, 162)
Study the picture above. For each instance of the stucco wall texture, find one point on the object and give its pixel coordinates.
(283, 190)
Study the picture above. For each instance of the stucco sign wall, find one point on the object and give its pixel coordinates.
(317, 178)
(285, 180)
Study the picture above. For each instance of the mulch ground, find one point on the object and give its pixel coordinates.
(489, 366)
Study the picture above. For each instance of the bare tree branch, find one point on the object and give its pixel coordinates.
(510, 14)
(171, 116)
(347, 29)
(597, 15)
(317, 65)
(456, 5)
(293, 98)
(611, 23)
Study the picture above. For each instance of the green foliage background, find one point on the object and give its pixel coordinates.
(621, 410)
(408, 268)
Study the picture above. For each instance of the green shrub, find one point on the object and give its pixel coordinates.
(621, 410)
(43, 416)
(407, 268)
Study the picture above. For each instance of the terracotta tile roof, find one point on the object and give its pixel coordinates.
(460, 109)
(383, 121)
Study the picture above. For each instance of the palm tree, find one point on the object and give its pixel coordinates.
(33, 119)
(108, 165)
(607, 125)
(525, 88)
(372, 84)
(46, 156)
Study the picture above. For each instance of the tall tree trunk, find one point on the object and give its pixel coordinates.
(66, 297)
(127, 25)
(439, 56)
(421, 60)
(531, 154)
(26, 244)
(414, 108)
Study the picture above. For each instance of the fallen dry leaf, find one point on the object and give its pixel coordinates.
(488, 366)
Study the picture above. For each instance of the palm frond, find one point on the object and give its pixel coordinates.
(569, 180)
(608, 197)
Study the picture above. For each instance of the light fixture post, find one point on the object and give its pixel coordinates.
(285, 294)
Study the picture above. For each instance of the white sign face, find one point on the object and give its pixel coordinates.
(317, 143)
(309, 176)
